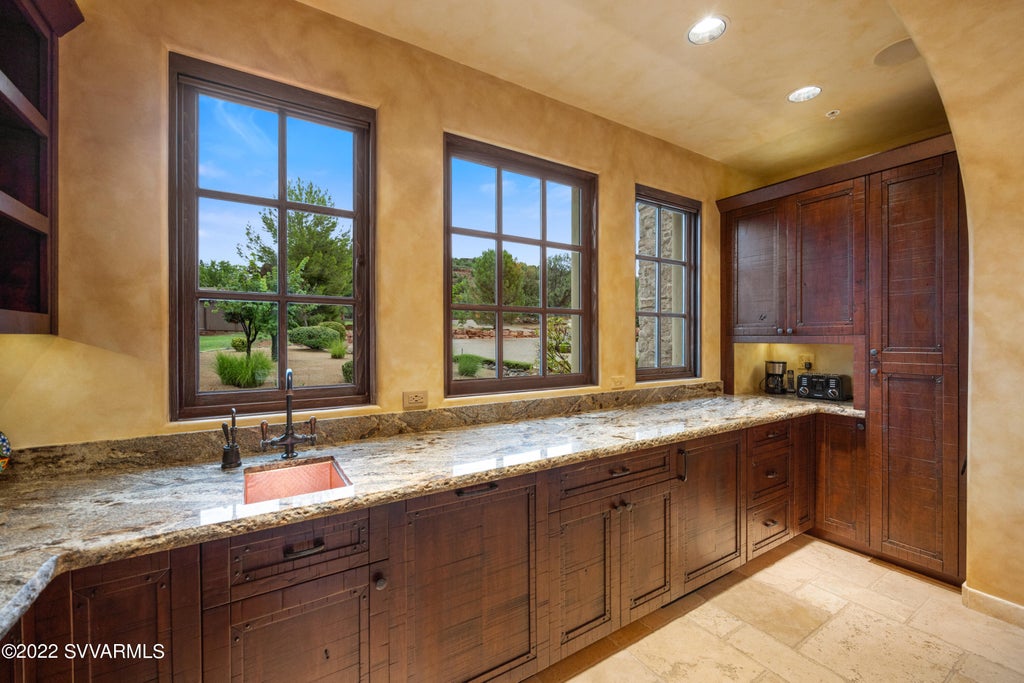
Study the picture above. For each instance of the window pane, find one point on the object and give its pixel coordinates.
(320, 164)
(473, 345)
(237, 247)
(474, 195)
(672, 288)
(563, 213)
(520, 205)
(237, 148)
(646, 331)
(474, 270)
(563, 278)
(236, 345)
(319, 344)
(520, 344)
(646, 285)
(673, 245)
(672, 343)
(319, 254)
(646, 229)
(521, 275)
(562, 344)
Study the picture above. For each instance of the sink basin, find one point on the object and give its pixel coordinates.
(293, 478)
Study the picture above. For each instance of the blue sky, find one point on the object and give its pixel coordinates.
(238, 150)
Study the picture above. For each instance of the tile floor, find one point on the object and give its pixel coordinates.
(807, 611)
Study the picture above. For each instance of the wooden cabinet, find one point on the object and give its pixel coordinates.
(713, 482)
(305, 601)
(804, 473)
(842, 497)
(794, 266)
(769, 466)
(28, 160)
(914, 352)
(468, 602)
(614, 559)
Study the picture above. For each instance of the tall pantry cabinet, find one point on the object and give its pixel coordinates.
(909, 370)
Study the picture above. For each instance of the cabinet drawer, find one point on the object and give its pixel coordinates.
(262, 561)
(646, 467)
(768, 473)
(768, 435)
(767, 526)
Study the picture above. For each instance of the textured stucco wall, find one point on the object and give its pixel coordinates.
(976, 56)
(106, 375)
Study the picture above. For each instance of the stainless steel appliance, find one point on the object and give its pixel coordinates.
(775, 377)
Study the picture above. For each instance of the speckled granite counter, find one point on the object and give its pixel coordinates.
(67, 520)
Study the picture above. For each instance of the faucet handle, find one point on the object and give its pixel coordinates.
(312, 430)
(264, 435)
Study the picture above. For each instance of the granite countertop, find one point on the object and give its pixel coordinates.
(54, 523)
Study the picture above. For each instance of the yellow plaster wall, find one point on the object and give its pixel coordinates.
(106, 375)
(976, 56)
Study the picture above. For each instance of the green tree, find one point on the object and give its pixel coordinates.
(560, 280)
(484, 274)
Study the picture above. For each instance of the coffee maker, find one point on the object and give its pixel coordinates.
(774, 377)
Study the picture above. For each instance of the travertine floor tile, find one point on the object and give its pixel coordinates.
(683, 651)
(819, 597)
(853, 567)
(860, 644)
(865, 597)
(911, 590)
(767, 608)
(620, 667)
(979, 633)
(716, 620)
(781, 660)
(977, 668)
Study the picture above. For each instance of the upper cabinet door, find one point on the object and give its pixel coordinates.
(827, 253)
(755, 240)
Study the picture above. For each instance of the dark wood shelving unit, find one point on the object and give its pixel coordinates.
(29, 30)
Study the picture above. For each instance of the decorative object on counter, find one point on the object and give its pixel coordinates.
(5, 452)
(775, 377)
(289, 439)
(232, 457)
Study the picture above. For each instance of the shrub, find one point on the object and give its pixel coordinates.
(339, 349)
(521, 365)
(468, 364)
(348, 370)
(338, 327)
(238, 343)
(313, 337)
(244, 372)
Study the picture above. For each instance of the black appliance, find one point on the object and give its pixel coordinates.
(774, 377)
(828, 387)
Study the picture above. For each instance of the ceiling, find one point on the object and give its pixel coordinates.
(630, 62)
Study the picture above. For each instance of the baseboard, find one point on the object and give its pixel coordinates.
(1008, 611)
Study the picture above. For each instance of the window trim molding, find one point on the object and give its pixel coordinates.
(186, 402)
(671, 200)
(519, 162)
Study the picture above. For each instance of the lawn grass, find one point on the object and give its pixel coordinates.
(215, 342)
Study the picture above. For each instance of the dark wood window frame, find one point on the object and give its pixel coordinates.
(691, 265)
(517, 162)
(188, 78)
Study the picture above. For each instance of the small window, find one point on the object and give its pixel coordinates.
(667, 285)
(524, 320)
(271, 202)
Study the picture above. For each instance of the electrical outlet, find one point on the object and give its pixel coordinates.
(804, 358)
(618, 381)
(414, 400)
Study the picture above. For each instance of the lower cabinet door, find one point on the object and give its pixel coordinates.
(318, 630)
(842, 495)
(650, 538)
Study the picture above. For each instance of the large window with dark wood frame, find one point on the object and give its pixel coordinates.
(667, 285)
(271, 219)
(521, 271)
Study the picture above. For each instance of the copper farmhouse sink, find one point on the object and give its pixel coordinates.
(293, 478)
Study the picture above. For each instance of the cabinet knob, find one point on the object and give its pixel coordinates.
(860, 426)
(380, 582)
(873, 371)
(873, 352)
(789, 330)
(778, 330)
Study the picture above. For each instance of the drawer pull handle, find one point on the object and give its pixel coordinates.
(686, 464)
(770, 523)
(771, 474)
(621, 472)
(773, 435)
(315, 549)
(465, 493)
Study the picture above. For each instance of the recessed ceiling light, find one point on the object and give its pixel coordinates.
(808, 92)
(707, 29)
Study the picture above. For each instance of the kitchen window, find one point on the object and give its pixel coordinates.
(524, 320)
(271, 201)
(667, 285)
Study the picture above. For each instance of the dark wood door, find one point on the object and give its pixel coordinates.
(842, 497)
(650, 541)
(913, 363)
(755, 246)
(316, 630)
(713, 500)
(470, 603)
(827, 249)
(804, 474)
(146, 603)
